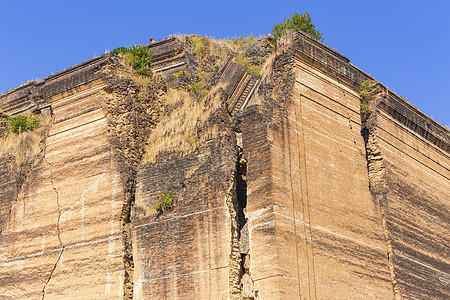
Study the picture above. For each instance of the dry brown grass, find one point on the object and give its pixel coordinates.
(202, 47)
(185, 128)
(179, 131)
(25, 145)
(238, 44)
(209, 51)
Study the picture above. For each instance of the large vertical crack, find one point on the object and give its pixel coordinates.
(241, 249)
(25, 166)
(58, 207)
(125, 220)
(133, 108)
(58, 227)
(377, 177)
(377, 185)
(235, 259)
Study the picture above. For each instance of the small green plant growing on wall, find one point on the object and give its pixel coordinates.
(296, 21)
(201, 87)
(13, 139)
(179, 73)
(365, 90)
(190, 138)
(380, 190)
(21, 123)
(165, 201)
(138, 58)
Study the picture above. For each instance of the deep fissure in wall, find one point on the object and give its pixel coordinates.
(245, 279)
(132, 104)
(58, 227)
(376, 168)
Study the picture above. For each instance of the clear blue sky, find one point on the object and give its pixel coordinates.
(403, 44)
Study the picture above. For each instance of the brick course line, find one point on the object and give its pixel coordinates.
(178, 217)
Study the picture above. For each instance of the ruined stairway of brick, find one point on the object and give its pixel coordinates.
(237, 83)
(241, 93)
(20, 100)
(166, 54)
(168, 57)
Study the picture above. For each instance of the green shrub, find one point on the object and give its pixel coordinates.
(138, 58)
(297, 21)
(365, 89)
(200, 87)
(20, 124)
(120, 50)
(165, 201)
(179, 73)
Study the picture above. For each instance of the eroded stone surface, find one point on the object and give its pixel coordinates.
(184, 252)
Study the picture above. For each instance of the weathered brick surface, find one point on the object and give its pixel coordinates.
(308, 199)
(307, 188)
(34, 94)
(67, 210)
(184, 252)
(8, 187)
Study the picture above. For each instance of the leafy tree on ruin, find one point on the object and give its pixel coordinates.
(297, 21)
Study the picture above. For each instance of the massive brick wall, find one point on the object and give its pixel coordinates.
(331, 213)
(8, 187)
(345, 246)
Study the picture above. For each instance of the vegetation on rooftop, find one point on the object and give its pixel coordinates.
(235, 47)
(138, 57)
(185, 123)
(297, 21)
(239, 44)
